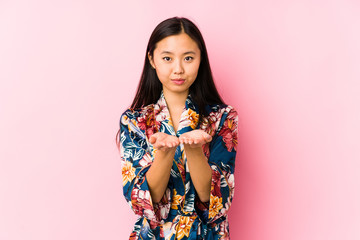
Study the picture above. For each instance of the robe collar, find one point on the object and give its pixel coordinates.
(189, 118)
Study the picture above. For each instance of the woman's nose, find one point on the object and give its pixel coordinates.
(178, 68)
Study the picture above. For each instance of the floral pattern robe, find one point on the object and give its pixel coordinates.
(180, 214)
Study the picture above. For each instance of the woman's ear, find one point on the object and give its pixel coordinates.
(151, 60)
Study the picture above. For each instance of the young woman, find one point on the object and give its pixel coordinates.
(178, 141)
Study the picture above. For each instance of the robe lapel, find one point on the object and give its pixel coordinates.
(162, 115)
(189, 118)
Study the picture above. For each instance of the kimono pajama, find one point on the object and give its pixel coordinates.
(180, 214)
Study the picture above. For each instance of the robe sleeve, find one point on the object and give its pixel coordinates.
(136, 161)
(222, 162)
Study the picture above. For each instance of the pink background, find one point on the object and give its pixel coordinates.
(68, 69)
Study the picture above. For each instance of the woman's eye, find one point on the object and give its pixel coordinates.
(188, 58)
(166, 58)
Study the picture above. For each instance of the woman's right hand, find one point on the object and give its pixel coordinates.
(163, 141)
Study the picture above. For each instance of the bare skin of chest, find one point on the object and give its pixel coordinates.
(175, 115)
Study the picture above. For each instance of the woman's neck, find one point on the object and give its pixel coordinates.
(175, 100)
(175, 103)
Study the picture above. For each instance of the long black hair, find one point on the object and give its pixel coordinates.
(203, 90)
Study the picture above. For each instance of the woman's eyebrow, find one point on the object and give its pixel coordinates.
(168, 52)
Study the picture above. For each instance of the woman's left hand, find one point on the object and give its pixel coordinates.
(195, 138)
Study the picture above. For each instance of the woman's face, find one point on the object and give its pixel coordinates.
(176, 60)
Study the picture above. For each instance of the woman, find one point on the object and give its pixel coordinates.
(178, 141)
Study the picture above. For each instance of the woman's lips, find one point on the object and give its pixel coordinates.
(178, 81)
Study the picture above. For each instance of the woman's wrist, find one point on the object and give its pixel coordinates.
(164, 156)
(192, 150)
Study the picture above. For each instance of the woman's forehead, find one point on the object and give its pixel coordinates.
(174, 44)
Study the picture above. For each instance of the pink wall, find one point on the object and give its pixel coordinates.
(68, 69)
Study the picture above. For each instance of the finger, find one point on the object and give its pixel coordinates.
(152, 139)
(158, 146)
(162, 147)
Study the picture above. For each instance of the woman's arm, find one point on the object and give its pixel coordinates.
(159, 173)
(199, 168)
(200, 171)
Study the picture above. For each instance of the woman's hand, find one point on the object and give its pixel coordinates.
(163, 141)
(195, 138)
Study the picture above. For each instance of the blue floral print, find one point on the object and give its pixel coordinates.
(180, 214)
